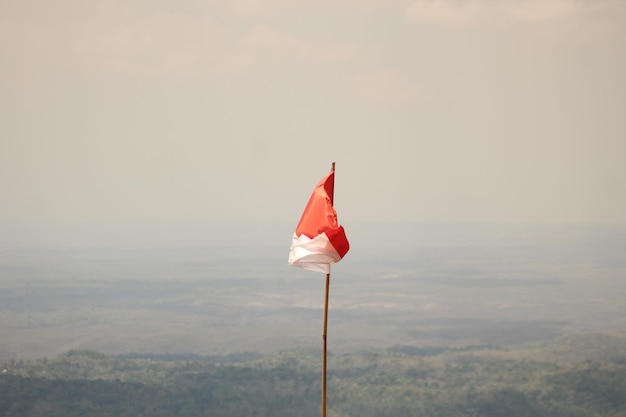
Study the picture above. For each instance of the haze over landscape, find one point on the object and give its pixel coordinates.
(122, 117)
(156, 156)
(203, 126)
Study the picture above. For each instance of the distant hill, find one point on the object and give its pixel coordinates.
(573, 376)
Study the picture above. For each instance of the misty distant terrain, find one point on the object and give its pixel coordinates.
(435, 285)
(570, 376)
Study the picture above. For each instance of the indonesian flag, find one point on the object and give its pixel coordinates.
(319, 240)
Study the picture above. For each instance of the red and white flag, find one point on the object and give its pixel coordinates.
(319, 240)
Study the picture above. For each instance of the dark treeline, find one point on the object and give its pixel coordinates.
(234, 357)
(571, 377)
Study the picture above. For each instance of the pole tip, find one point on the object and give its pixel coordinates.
(332, 167)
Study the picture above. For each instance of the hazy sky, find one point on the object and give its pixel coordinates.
(194, 112)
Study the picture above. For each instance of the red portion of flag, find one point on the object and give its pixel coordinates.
(339, 240)
(319, 215)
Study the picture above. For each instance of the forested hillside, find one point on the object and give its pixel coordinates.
(569, 377)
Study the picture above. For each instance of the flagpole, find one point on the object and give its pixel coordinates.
(324, 337)
(325, 329)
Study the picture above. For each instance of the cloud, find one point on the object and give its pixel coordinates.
(483, 11)
(156, 44)
(150, 43)
(264, 8)
(264, 45)
(317, 52)
(443, 11)
(544, 10)
(254, 7)
(266, 37)
(389, 85)
(261, 47)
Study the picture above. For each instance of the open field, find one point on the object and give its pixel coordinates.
(482, 286)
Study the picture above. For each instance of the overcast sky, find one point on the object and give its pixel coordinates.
(197, 112)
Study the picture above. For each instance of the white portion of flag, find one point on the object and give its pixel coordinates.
(313, 254)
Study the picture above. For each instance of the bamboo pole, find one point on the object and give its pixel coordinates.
(325, 329)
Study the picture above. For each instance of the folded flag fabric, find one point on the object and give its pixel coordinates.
(319, 240)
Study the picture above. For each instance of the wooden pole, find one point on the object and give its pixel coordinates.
(324, 337)
(325, 330)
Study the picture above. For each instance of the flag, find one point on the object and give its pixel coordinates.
(319, 240)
